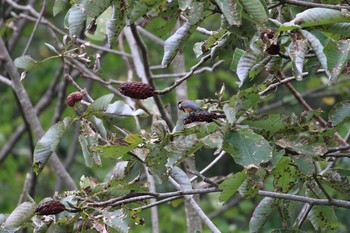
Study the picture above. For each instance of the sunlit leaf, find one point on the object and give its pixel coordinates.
(245, 63)
(247, 147)
(181, 178)
(231, 184)
(261, 214)
(320, 16)
(101, 103)
(235, 58)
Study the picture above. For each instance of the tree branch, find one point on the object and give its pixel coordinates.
(312, 4)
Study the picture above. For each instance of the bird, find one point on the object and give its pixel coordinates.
(190, 107)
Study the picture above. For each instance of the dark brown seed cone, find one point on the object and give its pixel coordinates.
(274, 49)
(74, 97)
(201, 117)
(136, 90)
(50, 207)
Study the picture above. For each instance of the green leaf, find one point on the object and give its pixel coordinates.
(117, 219)
(175, 42)
(306, 146)
(184, 4)
(318, 49)
(52, 48)
(247, 147)
(75, 19)
(156, 160)
(121, 147)
(93, 8)
(286, 175)
(245, 63)
(115, 25)
(100, 104)
(48, 144)
(101, 25)
(141, 8)
(269, 122)
(59, 6)
(297, 51)
(213, 140)
(257, 68)
(235, 58)
(230, 185)
(119, 108)
(320, 16)
(194, 12)
(232, 11)
(86, 151)
(337, 53)
(261, 214)
(27, 63)
(338, 182)
(256, 9)
(21, 215)
(339, 113)
(337, 30)
(98, 126)
(323, 218)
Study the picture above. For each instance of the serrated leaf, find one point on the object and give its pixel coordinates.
(59, 6)
(26, 63)
(48, 144)
(75, 20)
(247, 147)
(22, 214)
(175, 42)
(256, 9)
(141, 8)
(115, 25)
(181, 178)
(120, 148)
(232, 11)
(100, 104)
(230, 185)
(339, 113)
(93, 8)
(156, 160)
(286, 175)
(319, 16)
(245, 63)
(261, 214)
(323, 218)
(337, 53)
(297, 51)
(318, 49)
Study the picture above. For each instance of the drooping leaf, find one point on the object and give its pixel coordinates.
(320, 16)
(318, 49)
(48, 144)
(26, 63)
(339, 113)
(115, 25)
(297, 51)
(100, 31)
(256, 9)
(52, 48)
(175, 42)
(86, 151)
(94, 8)
(75, 19)
(235, 59)
(323, 218)
(245, 63)
(337, 53)
(261, 214)
(260, 66)
(98, 126)
(23, 213)
(116, 219)
(247, 147)
(232, 11)
(231, 184)
(141, 8)
(100, 104)
(59, 6)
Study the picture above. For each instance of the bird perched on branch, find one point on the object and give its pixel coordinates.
(190, 106)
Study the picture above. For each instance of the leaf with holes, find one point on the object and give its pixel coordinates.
(116, 219)
(232, 11)
(285, 174)
(323, 218)
(247, 147)
(297, 51)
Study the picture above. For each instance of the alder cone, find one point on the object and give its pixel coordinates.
(50, 207)
(136, 90)
(200, 117)
(74, 97)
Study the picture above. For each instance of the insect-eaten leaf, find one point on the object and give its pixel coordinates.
(231, 185)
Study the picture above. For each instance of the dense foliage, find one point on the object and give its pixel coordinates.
(266, 150)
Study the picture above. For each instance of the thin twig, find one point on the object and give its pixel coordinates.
(6, 81)
(322, 188)
(210, 165)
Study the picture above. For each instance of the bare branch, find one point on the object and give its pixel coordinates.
(6, 81)
(312, 4)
